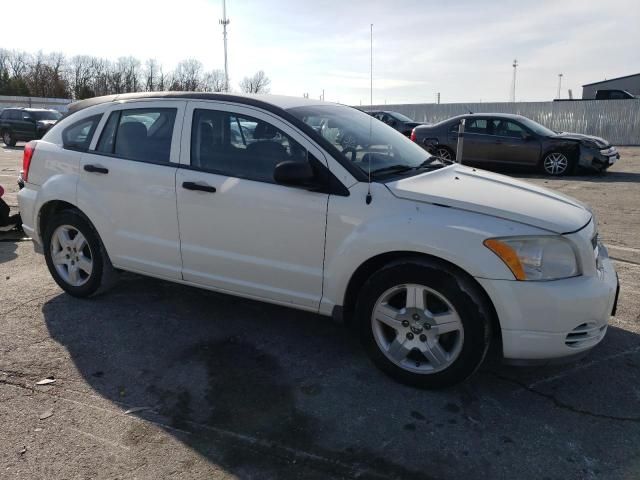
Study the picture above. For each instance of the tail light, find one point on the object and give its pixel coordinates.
(29, 148)
(413, 135)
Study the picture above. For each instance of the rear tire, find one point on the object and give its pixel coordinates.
(423, 323)
(8, 138)
(75, 255)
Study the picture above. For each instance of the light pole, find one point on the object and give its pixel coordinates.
(224, 22)
(513, 84)
(559, 84)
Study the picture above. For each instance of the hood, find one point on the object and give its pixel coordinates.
(497, 195)
(600, 142)
(48, 123)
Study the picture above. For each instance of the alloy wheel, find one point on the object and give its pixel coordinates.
(556, 164)
(6, 138)
(417, 328)
(443, 153)
(71, 255)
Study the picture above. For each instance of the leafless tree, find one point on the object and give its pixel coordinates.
(258, 83)
(187, 76)
(150, 75)
(214, 81)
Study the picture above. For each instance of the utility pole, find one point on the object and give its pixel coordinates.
(224, 22)
(559, 84)
(513, 83)
(438, 97)
(371, 70)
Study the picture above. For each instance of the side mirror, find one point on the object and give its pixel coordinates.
(293, 173)
(526, 136)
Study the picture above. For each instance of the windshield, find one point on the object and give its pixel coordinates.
(365, 141)
(536, 127)
(399, 116)
(47, 115)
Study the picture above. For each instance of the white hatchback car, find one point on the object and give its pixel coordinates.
(320, 207)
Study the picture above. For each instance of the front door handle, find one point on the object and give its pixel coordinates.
(198, 187)
(95, 169)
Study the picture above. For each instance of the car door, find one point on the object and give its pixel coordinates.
(477, 141)
(240, 231)
(513, 143)
(127, 185)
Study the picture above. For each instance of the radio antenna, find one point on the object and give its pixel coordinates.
(368, 198)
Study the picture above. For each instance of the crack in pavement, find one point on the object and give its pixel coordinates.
(563, 405)
(27, 302)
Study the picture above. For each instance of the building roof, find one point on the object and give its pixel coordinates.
(611, 79)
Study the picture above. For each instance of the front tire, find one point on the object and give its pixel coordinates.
(8, 138)
(557, 164)
(423, 323)
(445, 153)
(75, 255)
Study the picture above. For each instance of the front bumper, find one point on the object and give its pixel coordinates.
(550, 320)
(598, 159)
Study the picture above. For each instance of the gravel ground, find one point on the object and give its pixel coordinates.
(227, 388)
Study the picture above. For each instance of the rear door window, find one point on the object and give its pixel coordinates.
(142, 134)
(78, 135)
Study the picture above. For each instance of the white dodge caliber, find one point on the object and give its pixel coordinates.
(319, 207)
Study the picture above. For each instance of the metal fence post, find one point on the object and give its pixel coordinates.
(459, 147)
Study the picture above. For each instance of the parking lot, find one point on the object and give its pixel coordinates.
(159, 380)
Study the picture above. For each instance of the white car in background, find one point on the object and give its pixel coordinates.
(431, 263)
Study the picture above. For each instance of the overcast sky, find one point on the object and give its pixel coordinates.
(463, 49)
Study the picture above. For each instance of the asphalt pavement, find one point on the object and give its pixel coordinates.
(158, 380)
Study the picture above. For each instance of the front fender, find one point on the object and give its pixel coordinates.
(397, 225)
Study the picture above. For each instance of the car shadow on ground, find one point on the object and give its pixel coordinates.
(9, 244)
(270, 392)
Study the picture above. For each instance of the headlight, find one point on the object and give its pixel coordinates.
(592, 144)
(536, 258)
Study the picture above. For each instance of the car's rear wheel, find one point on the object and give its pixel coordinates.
(557, 164)
(8, 139)
(423, 323)
(75, 255)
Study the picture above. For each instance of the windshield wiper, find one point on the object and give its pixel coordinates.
(392, 169)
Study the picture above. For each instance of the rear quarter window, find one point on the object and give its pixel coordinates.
(78, 135)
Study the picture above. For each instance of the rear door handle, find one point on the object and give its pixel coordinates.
(95, 169)
(198, 187)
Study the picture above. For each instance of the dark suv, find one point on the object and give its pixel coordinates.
(26, 124)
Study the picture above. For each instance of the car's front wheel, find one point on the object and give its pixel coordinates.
(423, 323)
(557, 164)
(75, 255)
(445, 153)
(8, 138)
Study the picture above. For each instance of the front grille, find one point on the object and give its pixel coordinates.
(584, 335)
